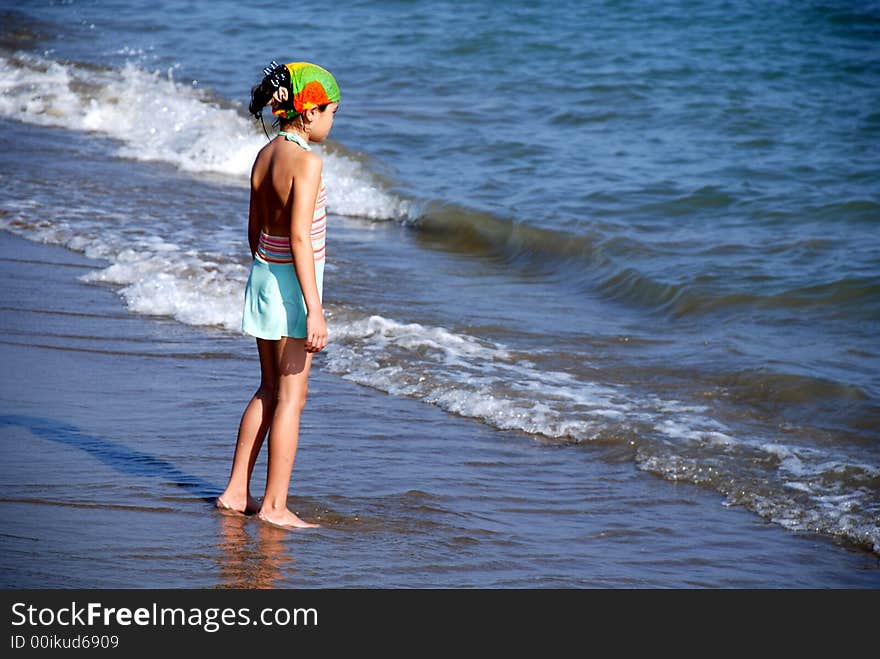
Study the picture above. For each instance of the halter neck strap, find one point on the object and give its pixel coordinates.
(293, 137)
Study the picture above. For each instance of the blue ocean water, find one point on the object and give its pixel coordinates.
(647, 226)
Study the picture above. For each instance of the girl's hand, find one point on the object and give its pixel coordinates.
(316, 332)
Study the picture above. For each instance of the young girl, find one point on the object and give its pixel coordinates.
(282, 302)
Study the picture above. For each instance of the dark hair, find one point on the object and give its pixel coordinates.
(275, 76)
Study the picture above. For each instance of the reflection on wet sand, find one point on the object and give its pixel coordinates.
(252, 554)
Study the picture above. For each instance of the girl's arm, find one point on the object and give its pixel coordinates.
(253, 223)
(307, 180)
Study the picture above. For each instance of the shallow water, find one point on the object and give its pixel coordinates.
(117, 433)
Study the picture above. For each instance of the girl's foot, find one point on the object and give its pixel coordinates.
(239, 505)
(285, 519)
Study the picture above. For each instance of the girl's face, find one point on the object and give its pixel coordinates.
(322, 122)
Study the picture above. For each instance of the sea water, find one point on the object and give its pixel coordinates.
(648, 228)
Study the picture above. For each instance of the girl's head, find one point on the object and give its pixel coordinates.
(303, 96)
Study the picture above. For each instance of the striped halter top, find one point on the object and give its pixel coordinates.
(276, 249)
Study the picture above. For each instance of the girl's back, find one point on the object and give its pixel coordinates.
(272, 185)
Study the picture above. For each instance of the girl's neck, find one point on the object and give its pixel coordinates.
(295, 137)
(296, 130)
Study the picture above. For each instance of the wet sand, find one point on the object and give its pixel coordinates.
(117, 431)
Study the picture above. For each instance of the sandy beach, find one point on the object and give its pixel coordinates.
(117, 432)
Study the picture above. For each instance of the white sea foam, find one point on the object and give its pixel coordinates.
(848, 515)
(805, 491)
(155, 277)
(694, 428)
(474, 378)
(156, 118)
(210, 295)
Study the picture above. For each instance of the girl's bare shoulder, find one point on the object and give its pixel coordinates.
(283, 159)
(264, 157)
(306, 163)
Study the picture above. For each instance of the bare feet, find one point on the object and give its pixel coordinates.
(238, 504)
(285, 519)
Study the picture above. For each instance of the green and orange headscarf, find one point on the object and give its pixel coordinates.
(310, 86)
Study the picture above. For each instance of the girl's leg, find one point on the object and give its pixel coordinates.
(293, 375)
(252, 430)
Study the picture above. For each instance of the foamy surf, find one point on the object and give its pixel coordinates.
(487, 381)
(470, 377)
(156, 118)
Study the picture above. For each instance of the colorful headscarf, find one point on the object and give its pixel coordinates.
(310, 86)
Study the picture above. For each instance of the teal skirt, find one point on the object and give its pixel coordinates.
(273, 301)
